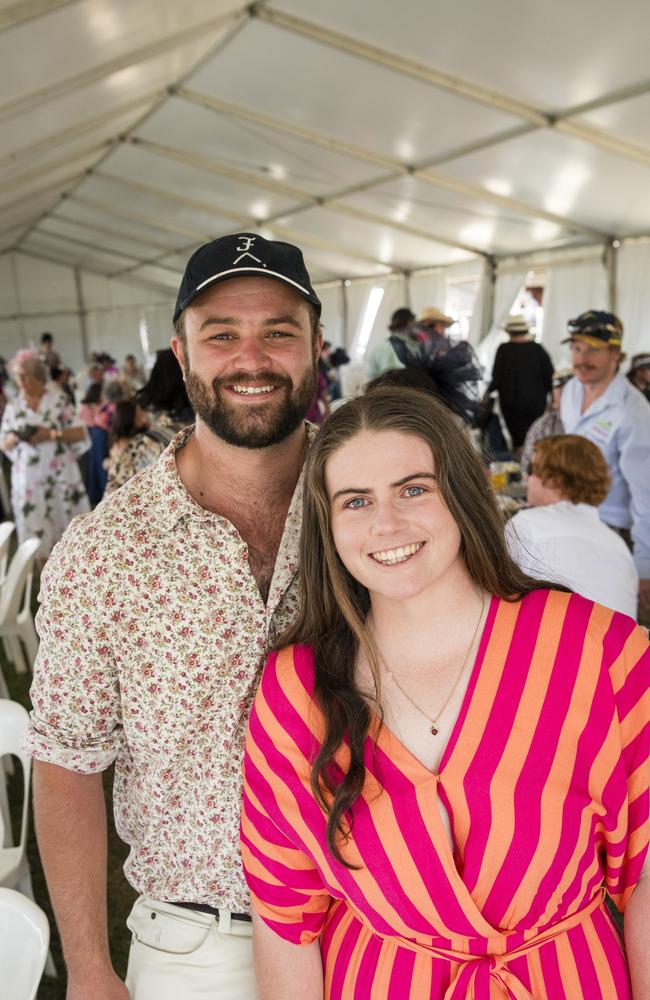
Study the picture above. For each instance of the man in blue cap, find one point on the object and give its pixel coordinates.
(600, 404)
(156, 613)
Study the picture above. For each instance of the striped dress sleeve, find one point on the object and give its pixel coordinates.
(627, 842)
(287, 888)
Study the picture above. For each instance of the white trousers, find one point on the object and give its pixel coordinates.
(180, 954)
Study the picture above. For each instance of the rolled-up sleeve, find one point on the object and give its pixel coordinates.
(76, 719)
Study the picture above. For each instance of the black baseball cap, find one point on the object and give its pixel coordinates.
(597, 328)
(239, 255)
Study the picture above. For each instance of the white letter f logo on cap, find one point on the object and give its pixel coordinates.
(244, 244)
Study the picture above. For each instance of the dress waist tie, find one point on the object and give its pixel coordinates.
(485, 977)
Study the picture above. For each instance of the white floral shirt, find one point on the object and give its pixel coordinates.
(153, 632)
(46, 486)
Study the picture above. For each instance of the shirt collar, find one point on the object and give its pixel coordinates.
(174, 501)
(612, 396)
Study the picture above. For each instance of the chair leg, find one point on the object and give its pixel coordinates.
(25, 881)
(30, 641)
(50, 967)
(17, 656)
(5, 815)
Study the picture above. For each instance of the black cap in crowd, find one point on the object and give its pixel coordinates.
(597, 328)
(401, 318)
(239, 255)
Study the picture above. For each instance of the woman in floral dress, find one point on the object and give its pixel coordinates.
(40, 436)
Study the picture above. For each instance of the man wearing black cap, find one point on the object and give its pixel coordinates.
(157, 610)
(600, 404)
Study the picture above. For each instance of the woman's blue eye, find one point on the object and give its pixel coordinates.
(356, 504)
(414, 491)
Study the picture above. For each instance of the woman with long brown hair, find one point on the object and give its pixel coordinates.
(450, 759)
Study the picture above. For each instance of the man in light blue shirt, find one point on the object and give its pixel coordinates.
(600, 404)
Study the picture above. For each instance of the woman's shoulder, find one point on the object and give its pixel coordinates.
(291, 670)
(285, 705)
(581, 621)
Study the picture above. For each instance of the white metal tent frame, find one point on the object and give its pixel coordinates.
(42, 180)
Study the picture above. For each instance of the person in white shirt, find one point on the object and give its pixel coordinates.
(560, 536)
(600, 404)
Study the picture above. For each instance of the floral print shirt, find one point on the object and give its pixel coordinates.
(126, 458)
(47, 490)
(153, 633)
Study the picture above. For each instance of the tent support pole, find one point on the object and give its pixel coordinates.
(488, 311)
(610, 261)
(83, 316)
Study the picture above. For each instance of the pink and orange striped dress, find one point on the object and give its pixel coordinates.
(545, 782)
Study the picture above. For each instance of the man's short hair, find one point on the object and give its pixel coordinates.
(574, 466)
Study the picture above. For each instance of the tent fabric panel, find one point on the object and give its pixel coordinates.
(93, 33)
(565, 176)
(629, 119)
(88, 215)
(310, 84)
(381, 242)
(553, 55)
(252, 148)
(137, 163)
(452, 216)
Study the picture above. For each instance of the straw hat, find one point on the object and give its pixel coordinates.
(516, 325)
(432, 315)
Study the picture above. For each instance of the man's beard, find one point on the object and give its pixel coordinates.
(261, 424)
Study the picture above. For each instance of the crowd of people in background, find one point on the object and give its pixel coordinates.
(72, 438)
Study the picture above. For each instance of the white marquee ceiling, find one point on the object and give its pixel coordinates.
(379, 136)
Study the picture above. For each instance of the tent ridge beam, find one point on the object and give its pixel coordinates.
(64, 136)
(400, 64)
(28, 10)
(94, 74)
(56, 216)
(395, 167)
(306, 199)
(330, 142)
(515, 204)
(375, 219)
(536, 117)
(19, 180)
(211, 166)
(245, 220)
(130, 216)
(38, 231)
(144, 283)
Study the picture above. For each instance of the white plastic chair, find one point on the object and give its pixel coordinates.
(6, 531)
(24, 942)
(16, 621)
(14, 867)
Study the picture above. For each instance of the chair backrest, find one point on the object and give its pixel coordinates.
(6, 531)
(24, 940)
(13, 726)
(18, 582)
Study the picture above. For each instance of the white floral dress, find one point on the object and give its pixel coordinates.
(46, 486)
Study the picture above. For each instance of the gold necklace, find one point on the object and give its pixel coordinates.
(434, 721)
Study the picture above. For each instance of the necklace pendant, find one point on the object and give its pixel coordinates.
(434, 730)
